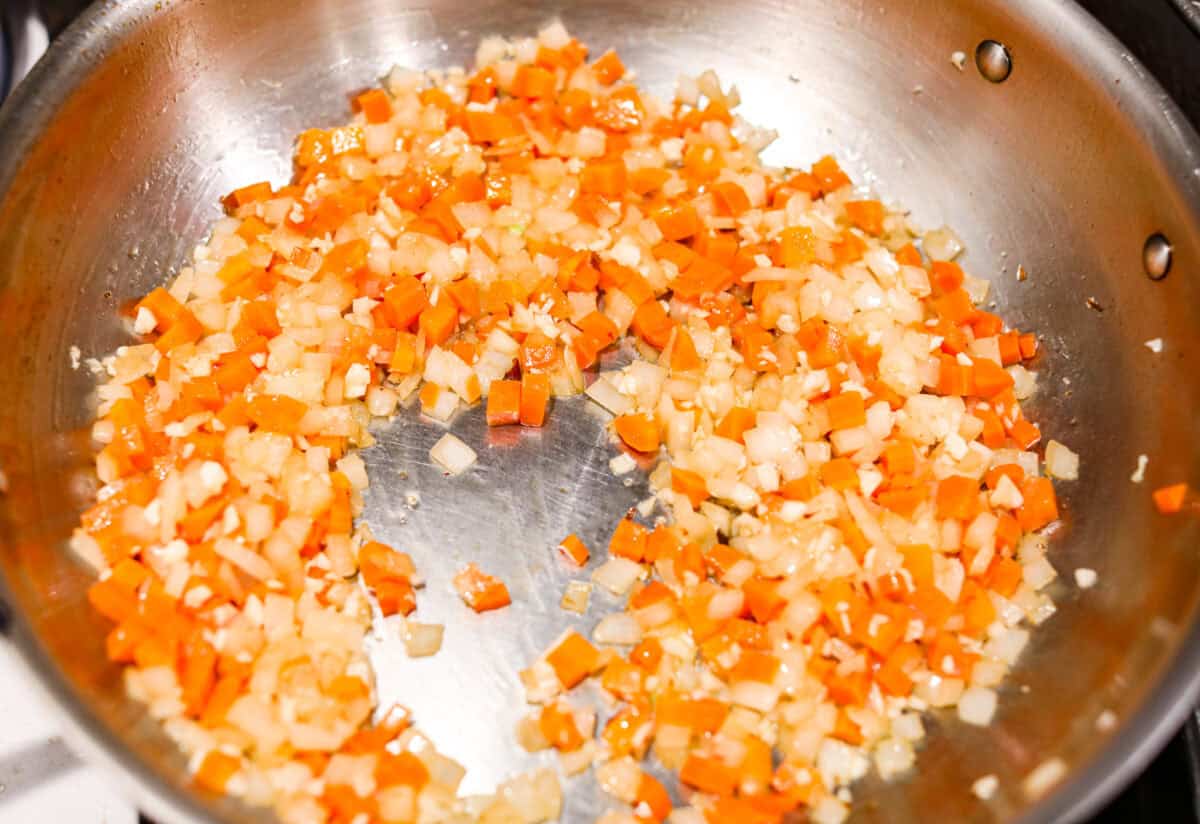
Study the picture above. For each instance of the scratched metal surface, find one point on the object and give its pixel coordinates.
(529, 489)
(113, 156)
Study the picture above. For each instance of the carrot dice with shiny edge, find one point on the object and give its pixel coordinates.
(573, 659)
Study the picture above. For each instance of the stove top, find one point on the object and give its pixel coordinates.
(41, 780)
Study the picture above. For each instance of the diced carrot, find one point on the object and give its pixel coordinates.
(184, 329)
(1040, 504)
(954, 378)
(840, 474)
(751, 809)
(797, 247)
(504, 403)
(978, 614)
(907, 255)
(247, 194)
(993, 428)
(465, 293)
(651, 324)
(375, 105)
(690, 484)
(491, 127)
(163, 305)
(574, 108)
(535, 396)
(684, 357)
(404, 301)
(438, 321)
(650, 594)
(628, 540)
(1029, 346)
(574, 549)
(829, 175)
(989, 378)
(719, 247)
(1024, 433)
(645, 180)
(900, 458)
(599, 327)
(844, 728)
(276, 413)
(216, 769)
(1004, 576)
(638, 431)
(846, 410)
(690, 559)
(1170, 499)
(703, 276)
(480, 591)
(482, 85)
(708, 775)
(678, 222)
(224, 693)
(662, 543)
(573, 660)
(1010, 348)
(731, 198)
(955, 306)
(957, 497)
(893, 675)
(755, 666)
(401, 769)
(558, 727)
(653, 797)
(946, 275)
(378, 562)
(606, 178)
(735, 423)
(396, 596)
(647, 654)
(986, 325)
(866, 215)
(533, 81)
(608, 68)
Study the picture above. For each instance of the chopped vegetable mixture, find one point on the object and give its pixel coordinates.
(854, 494)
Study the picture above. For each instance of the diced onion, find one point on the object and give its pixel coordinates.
(452, 454)
(1061, 462)
(421, 640)
(942, 244)
(618, 575)
(977, 705)
(893, 756)
(618, 628)
(604, 393)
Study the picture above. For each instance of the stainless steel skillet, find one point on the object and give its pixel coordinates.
(115, 151)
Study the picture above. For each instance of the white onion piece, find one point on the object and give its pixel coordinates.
(604, 393)
(755, 695)
(977, 706)
(575, 597)
(618, 575)
(1038, 573)
(942, 244)
(452, 454)
(1008, 645)
(618, 628)
(620, 779)
(892, 757)
(244, 559)
(725, 604)
(421, 640)
(1061, 462)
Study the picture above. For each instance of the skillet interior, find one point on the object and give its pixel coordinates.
(113, 156)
